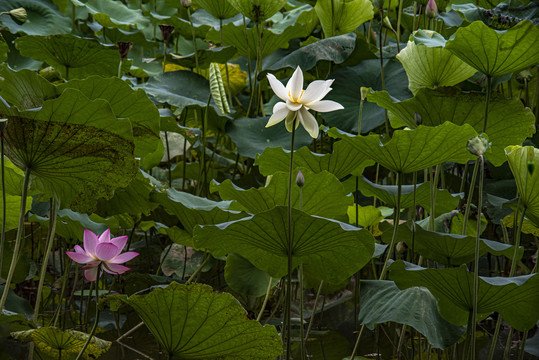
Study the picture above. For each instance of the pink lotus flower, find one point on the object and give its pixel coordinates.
(102, 250)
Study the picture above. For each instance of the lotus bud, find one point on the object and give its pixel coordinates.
(364, 92)
(401, 247)
(3, 124)
(166, 31)
(19, 15)
(477, 145)
(431, 10)
(186, 3)
(387, 24)
(124, 48)
(300, 179)
(418, 119)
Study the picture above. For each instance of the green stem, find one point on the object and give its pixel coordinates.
(203, 175)
(52, 231)
(399, 17)
(251, 88)
(163, 260)
(18, 239)
(226, 64)
(301, 326)
(2, 169)
(395, 227)
(120, 69)
(96, 321)
(199, 269)
(265, 300)
(382, 68)
(194, 39)
(168, 158)
(185, 148)
(311, 320)
(489, 90)
(56, 315)
(433, 189)
(469, 200)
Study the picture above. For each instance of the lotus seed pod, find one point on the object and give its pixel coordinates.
(300, 179)
(364, 92)
(166, 31)
(123, 48)
(19, 15)
(477, 145)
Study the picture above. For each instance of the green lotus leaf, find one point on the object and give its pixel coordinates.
(532, 345)
(342, 162)
(335, 49)
(303, 14)
(126, 103)
(13, 320)
(25, 88)
(449, 104)
(245, 278)
(4, 49)
(412, 150)
(515, 298)
(258, 10)
(323, 195)
(76, 148)
(13, 207)
(341, 17)
(449, 249)
(192, 210)
(136, 37)
(347, 92)
(51, 342)
(74, 57)
(520, 160)
(496, 53)
(205, 57)
(43, 18)
(234, 35)
(182, 261)
(432, 66)
(366, 215)
(330, 249)
(193, 322)
(251, 136)
(218, 9)
(114, 14)
(382, 301)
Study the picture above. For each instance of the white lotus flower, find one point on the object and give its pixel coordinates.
(299, 101)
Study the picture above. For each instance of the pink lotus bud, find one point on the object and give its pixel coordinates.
(300, 179)
(431, 10)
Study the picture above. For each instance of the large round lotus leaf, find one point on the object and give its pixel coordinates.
(515, 298)
(258, 10)
(449, 249)
(323, 195)
(347, 92)
(77, 150)
(382, 301)
(43, 18)
(25, 88)
(527, 180)
(496, 53)
(331, 249)
(342, 162)
(218, 9)
(449, 104)
(431, 65)
(412, 150)
(74, 57)
(341, 17)
(252, 137)
(193, 322)
(114, 14)
(54, 343)
(245, 278)
(126, 103)
(234, 34)
(192, 210)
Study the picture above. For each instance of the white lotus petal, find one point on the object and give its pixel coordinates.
(290, 121)
(316, 91)
(293, 106)
(294, 87)
(280, 111)
(308, 121)
(277, 87)
(325, 106)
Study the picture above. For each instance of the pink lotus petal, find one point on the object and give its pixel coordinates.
(125, 257)
(79, 250)
(105, 237)
(106, 251)
(90, 242)
(119, 241)
(115, 268)
(91, 274)
(78, 257)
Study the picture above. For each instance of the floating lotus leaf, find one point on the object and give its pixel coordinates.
(382, 301)
(43, 18)
(527, 181)
(342, 162)
(322, 195)
(449, 104)
(192, 210)
(330, 249)
(218, 9)
(245, 278)
(54, 343)
(258, 10)
(193, 322)
(114, 14)
(412, 150)
(515, 298)
(77, 150)
(74, 57)
(449, 249)
(494, 52)
(341, 17)
(432, 66)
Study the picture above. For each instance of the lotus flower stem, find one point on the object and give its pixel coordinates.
(395, 227)
(96, 321)
(199, 268)
(469, 200)
(18, 239)
(399, 17)
(489, 90)
(311, 320)
(248, 62)
(52, 231)
(434, 188)
(265, 300)
(184, 117)
(56, 315)
(382, 69)
(226, 64)
(168, 154)
(2, 169)
(194, 39)
(301, 326)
